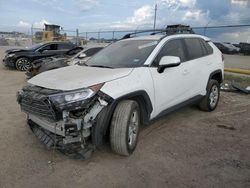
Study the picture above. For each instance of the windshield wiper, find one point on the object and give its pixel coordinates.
(101, 66)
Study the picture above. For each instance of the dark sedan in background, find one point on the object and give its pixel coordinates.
(21, 58)
(51, 63)
(227, 48)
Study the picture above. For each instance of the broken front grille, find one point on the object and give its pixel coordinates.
(37, 103)
(38, 107)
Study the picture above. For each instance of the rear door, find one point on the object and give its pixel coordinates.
(200, 62)
(63, 48)
(174, 84)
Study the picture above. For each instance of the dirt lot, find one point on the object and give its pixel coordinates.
(188, 148)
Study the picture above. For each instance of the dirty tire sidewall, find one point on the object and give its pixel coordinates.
(120, 126)
(23, 64)
(205, 103)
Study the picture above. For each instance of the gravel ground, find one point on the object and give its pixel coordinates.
(188, 148)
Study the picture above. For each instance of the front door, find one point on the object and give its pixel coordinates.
(174, 84)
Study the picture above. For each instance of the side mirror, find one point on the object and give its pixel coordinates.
(168, 61)
(82, 55)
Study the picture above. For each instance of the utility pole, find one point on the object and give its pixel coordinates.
(77, 37)
(32, 34)
(155, 15)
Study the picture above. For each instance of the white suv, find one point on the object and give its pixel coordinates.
(127, 84)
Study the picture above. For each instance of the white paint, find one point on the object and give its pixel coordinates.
(77, 77)
(173, 86)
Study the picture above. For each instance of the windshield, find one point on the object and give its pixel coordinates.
(124, 54)
(35, 46)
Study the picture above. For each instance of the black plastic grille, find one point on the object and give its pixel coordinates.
(37, 103)
(38, 107)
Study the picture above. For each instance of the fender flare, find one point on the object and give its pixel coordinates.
(103, 119)
(218, 71)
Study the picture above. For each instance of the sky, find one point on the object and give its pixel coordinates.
(101, 15)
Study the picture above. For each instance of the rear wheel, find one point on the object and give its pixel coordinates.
(23, 64)
(124, 128)
(210, 101)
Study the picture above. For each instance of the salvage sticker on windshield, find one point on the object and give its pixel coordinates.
(147, 45)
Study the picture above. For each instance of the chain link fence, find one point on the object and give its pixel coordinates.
(229, 33)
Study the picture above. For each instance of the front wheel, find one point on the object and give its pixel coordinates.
(124, 128)
(23, 64)
(210, 101)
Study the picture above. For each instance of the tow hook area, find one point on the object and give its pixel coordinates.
(71, 135)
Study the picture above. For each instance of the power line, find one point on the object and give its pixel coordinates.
(221, 26)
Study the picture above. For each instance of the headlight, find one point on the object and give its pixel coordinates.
(73, 96)
(74, 99)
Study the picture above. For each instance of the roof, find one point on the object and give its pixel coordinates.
(57, 42)
(158, 37)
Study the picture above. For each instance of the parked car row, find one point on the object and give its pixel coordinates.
(245, 48)
(51, 63)
(228, 48)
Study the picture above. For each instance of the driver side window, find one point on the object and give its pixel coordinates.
(49, 47)
(172, 48)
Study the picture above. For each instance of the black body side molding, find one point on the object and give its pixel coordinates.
(188, 102)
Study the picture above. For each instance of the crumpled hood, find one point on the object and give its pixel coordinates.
(77, 77)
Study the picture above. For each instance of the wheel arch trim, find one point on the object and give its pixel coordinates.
(104, 117)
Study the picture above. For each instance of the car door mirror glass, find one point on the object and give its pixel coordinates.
(168, 61)
(82, 55)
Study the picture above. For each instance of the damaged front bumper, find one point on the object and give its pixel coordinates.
(68, 131)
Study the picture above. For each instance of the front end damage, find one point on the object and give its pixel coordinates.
(63, 120)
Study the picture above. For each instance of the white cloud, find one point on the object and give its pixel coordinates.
(239, 2)
(40, 24)
(188, 3)
(235, 37)
(23, 24)
(193, 15)
(86, 4)
(141, 17)
(176, 4)
(37, 24)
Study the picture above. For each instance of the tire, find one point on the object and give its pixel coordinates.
(210, 101)
(23, 64)
(124, 128)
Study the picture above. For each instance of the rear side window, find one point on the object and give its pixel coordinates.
(64, 46)
(194, 48)
(208, 49)
(171, 48)
(50, 47)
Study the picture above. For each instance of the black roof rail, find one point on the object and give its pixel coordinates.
(138, 32)
(169, 30)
